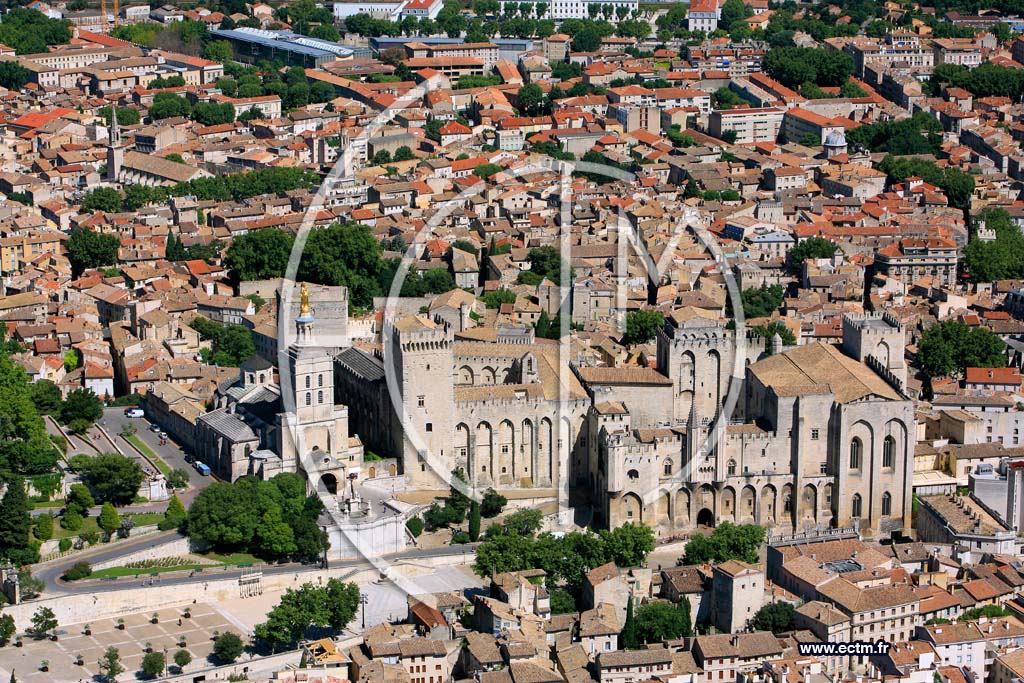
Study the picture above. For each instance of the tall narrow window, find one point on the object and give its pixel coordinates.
(731, 467)
(856, 451)
(855, 506)
(889, 452)
(319, 397)
(886, 504)
(307, 381)
(319, 380)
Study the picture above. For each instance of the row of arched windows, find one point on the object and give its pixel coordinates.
(319, 397)
(856, 507)
(319, 380)
(857, 452)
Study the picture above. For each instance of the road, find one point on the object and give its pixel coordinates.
(51, 572)
(170, 452)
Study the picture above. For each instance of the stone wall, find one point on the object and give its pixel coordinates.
(175, 548)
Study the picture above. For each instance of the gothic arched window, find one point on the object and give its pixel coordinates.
(855, 506)
(889, 452)
(856, 453)
(886, 503)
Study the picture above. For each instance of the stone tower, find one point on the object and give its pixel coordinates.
(698, 356)
(878, 340)
(421, 354)
(115, 150)
(316, 437)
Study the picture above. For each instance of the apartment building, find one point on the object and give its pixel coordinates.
(704, 15)
(485, 52)
(750, 125)
(959, 51)
(799, 123)
(888, 612)
(911, 259)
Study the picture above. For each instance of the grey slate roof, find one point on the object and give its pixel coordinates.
(361, 364)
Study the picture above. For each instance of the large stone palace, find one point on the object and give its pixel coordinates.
(717, 426)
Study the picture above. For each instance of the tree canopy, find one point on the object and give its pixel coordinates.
(794, 66)
(259, 255)
(727, 542)
(29, 31)
(957, 185)
(89, 249)
(810, 248)
(951, 346)
(998, 259)
(776, 617)
(642, 326)
(111, 477)
(333, 605)
(274, 519)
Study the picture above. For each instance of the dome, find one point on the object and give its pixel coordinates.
(835, 139)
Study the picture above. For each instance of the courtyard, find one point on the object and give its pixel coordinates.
(164, 636)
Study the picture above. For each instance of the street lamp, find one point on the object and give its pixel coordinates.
(363, 599)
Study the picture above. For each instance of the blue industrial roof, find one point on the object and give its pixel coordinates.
(286, 40)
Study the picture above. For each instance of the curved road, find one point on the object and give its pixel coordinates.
(51, 572)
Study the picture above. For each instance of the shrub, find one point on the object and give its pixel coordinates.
(72, 520)
(44, 527)
(64, 545)
(79, 570)
(460, 537)
(415, 526)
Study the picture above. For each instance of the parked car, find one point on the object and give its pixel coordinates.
(203, 469)
(154, 428)
(134, 412)
(163, 435)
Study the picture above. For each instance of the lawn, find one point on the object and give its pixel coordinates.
(232, 560)
(90, 524)
(141, 445)
(40, 504)
(114, 572)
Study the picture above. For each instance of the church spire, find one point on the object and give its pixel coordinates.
(115, 152)
(115, 130)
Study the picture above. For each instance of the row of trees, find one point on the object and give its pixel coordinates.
(514, 545)
(273, 519)
(342, 254)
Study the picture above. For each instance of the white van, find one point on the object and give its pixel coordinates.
(134, 412)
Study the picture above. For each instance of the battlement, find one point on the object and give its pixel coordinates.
(885, 373)
(873, 323)
(417, 333)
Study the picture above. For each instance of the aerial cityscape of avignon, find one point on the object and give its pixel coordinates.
(486, 341)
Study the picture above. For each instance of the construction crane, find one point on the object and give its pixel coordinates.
(103, 13)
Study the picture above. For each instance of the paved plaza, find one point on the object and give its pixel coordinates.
(163, 636)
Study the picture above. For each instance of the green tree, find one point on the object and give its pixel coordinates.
(777, 617)
(43, 621)
(344, 254)
(46, 397)
(182, 658)
(485, 171)
(660, 621)
(112, 477)
(547, 262)
(43, 530)
(110, 665)
(728, 542)
(79, 497)
(474, 521)
(769, 330)
(168, 105)
(998, 259)
(642, 326)
(81, 404)
(13, 76)
(628, 545)
(531, 99)
(586, 40)
(227, 647)
(7, 631)
(126, 116)
(403, 153)
(629, 637)
(15, 523)
(274, 537)
(109, 520)
(343, 601)
(153, 664)
(810, 248)
(89, 249)
(78, 571)
(219, 51)
(492, 503)
(415, 526)
(950, 347)
(562, 601)
(763, 301)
